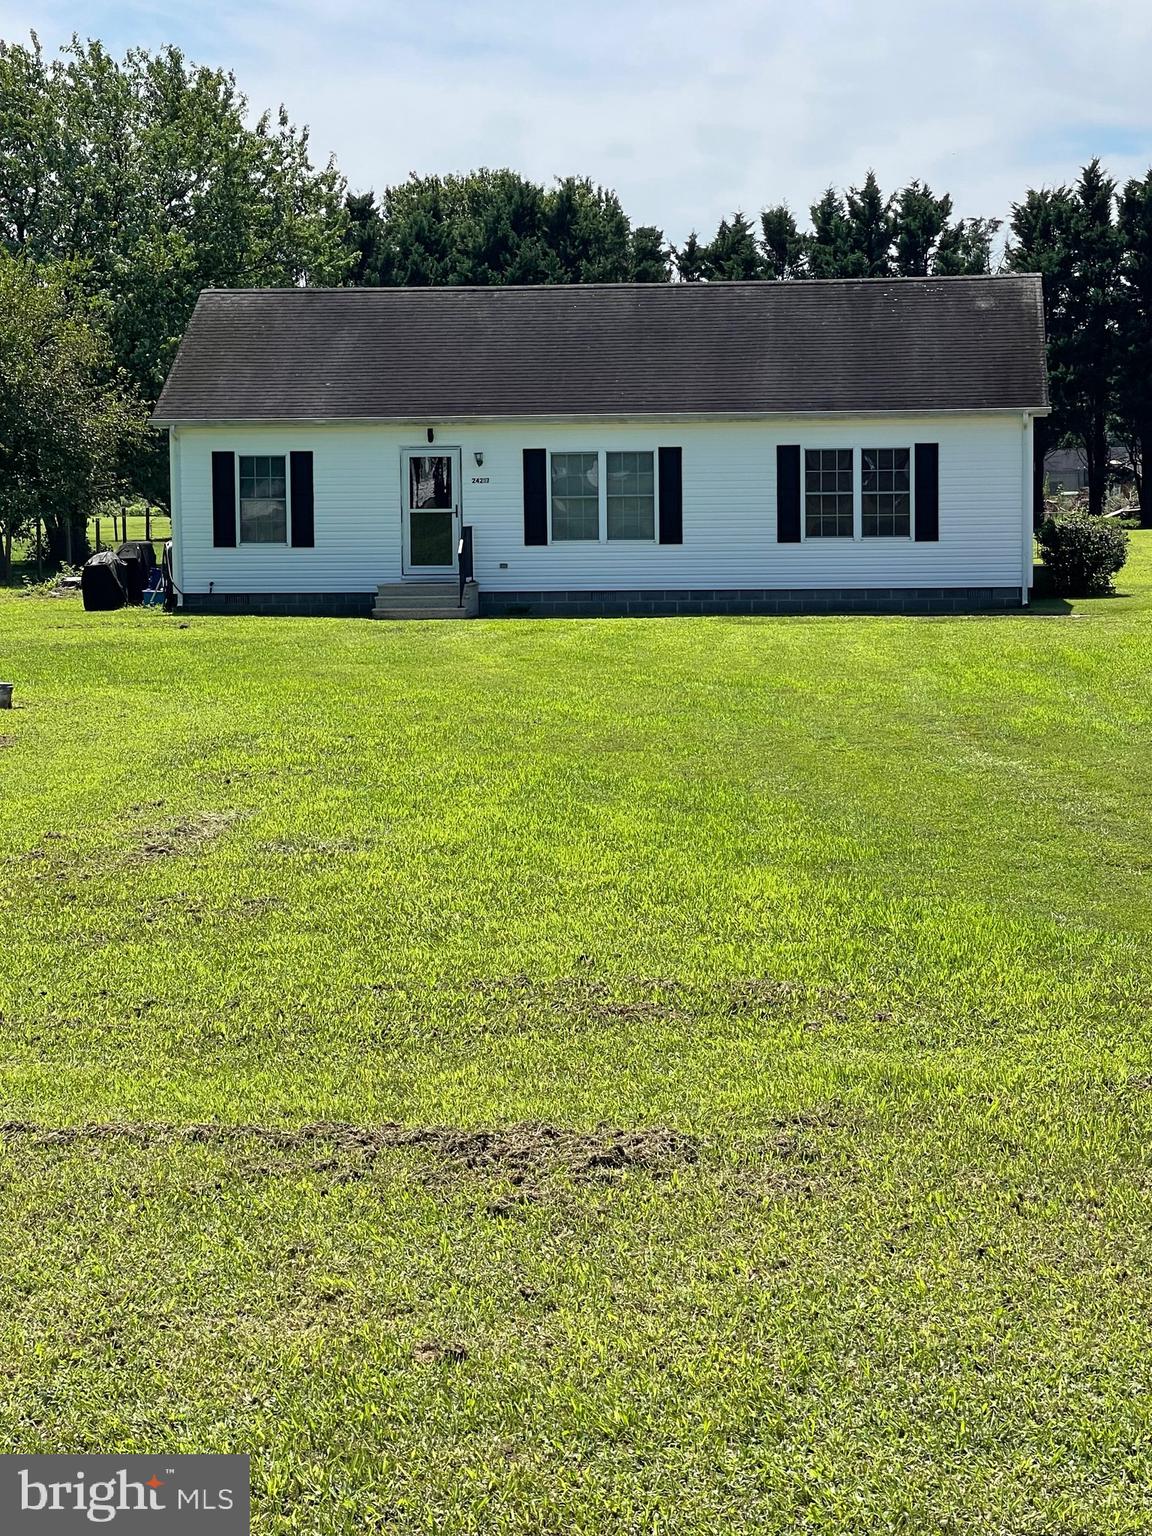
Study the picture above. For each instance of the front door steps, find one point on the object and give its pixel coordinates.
(426, 600)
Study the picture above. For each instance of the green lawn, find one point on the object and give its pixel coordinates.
(800, 969)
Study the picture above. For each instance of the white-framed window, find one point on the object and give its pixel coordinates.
(602, 496)
(829, 496)
(631, 495)
(263, 498)
(857, 493)
(575, 488)
(885, 493)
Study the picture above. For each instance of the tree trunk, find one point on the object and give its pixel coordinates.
(67, 539)
(1096, 460)
(6, 556)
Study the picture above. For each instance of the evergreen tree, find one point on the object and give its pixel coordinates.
(869, 230)
(828, 248)
(919, 225)
(690, 260)
(649, 257)
(1040, 241)
(588, 232)
(1090, 351)
(733, 254)
(781, 243)
(364, 238)
(1134, 359)
(965, 248)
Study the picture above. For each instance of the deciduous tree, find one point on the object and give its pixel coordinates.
(68, 417)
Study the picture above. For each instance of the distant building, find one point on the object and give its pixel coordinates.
(1065, 469)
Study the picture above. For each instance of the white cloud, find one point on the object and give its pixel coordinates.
(687, 110)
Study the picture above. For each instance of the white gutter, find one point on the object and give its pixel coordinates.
(577, 418)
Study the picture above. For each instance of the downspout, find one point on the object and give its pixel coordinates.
(174, 486)
(1026, 476)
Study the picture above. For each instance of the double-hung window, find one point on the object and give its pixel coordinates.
(603, 497)
(858, 493)
(886, 493)
(828, 493)
(263, 499)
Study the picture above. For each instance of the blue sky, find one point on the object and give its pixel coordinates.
(688, 109)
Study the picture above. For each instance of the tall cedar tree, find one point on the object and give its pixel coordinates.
(828, 248)
(1040, 240)
(781, 243)
(919, 221)
(690, 260)
(734, 255)
(1090, 350)
(869, 230)
(649, 257)
(1134, 359)
(965, 248)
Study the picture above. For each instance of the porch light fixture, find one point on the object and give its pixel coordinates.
(431, 435)
(479, 457)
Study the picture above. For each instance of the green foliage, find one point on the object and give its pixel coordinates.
(495, 227)
(1082, 553)
(143, 177)
(1089, 349)
(733, 254)
(862, 906)
(965, 248)
(650, 260)
(690, 260)
(782, 243)
(1133, 401)
(828, 248)
(869, 229)
(919, 221)
(67, 416)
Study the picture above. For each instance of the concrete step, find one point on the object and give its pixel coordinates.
(419, 599)
(435, 589)
(425, 600)
(390, 611)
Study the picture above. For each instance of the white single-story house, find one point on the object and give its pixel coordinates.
(750, 447)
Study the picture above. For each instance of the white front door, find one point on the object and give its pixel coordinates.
(431, 510)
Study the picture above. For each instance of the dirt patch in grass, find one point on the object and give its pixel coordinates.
(514, 1152)
(438, 1352)
(184, 835)
(7, 741)
(632, 999)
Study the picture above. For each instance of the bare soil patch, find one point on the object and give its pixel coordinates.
(513, 1152)
(183, 835)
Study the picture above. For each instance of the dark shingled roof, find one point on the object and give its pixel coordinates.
(743, 349)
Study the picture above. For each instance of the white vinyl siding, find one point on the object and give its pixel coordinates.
(729, 501)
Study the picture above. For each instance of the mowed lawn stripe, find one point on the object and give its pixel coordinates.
(854, 911)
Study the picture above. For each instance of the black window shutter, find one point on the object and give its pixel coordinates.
(224, 500)
(535, 496)
(787, 493)
(303, 523)
(671, 496)
(927, 461)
